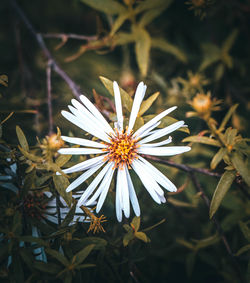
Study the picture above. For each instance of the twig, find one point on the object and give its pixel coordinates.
(48, 74)
(217, 225)
(183, 167)
(73, 86)
(70, 35)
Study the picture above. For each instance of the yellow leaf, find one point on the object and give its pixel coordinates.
(147, 103)
(201, 139)
(22, 139)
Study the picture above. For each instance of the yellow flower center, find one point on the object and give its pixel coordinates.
(122, 149)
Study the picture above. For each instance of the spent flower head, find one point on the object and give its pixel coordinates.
(119, 150)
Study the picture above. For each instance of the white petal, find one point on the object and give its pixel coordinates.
(146, 180)
(89, 163)
(163, 132)
(90, 123)
(83, 125)
(158, 176)
(147, 132)
(78, 151)
(94, 184)
(164, 151)
(118, 106)
(83, 177)
(124, 191)
(118, 200)
(102, 190)
(139, 95)
(96, 112)
(153, 121)
(167, 141)
(132, 194)
(83, 142)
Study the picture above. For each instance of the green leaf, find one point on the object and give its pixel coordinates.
(147, 103)
(186, 244)
(142, 49)
(22, 139)
(223, 186)
(39, 181)
(243, 249)
(245, 230)
(51, 267)
(136, 223)
(227, 117)
(80, 256)
(69, 217)
(207, 241)
(218, 157)
(201, 139)
(167, 47)
(228, 43)
(127, 238)
(139, 122)
(30, 156)
(242, 167)
(86, 265)
(36, 240)
(119, 21)
(62, 159)
(109, 7)
(99, 243)
(61, 184)
(127, 227)
(211, 55)
(127, 101)
(58, 256)
(190, 261)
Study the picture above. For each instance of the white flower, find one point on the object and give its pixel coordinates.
(119, 150)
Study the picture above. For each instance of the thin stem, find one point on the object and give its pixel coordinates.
(72, 85)
(217, 226)
(49, 98)
(70, 35)
(183, 167)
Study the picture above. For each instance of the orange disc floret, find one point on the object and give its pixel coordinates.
(122, 149)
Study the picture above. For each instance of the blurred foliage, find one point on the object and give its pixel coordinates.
(197, 54)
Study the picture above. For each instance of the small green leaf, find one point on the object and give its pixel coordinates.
(99, 243)
(203, 243)
(127, 101)
(127, 238)
(146, 104)
(69, 217)
(30, 156)
(223, 186)
(119, 21)
(58, 256)
(245, 230)
(167, 47)
(127, 227)
(31, 239)
(80, 256)
(62, 159)
(218, 157)
(228, 43)
(51, 267)
(201, 139)
(139, 122)
(136, 223)
(61, 184)
(228, 116)
(22, 139)
(109, 7)
(243, 249)
(242, 167)
(211, 55)
(142, 49)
